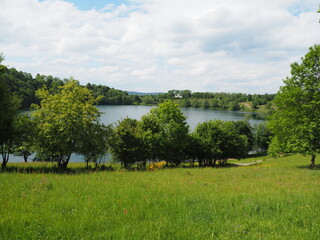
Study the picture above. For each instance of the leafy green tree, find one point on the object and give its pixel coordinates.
(9, 105)
(296, 122)
(1, 58)
(261, 136)
(269, 106)
(244, 128)
(9, 131)
(63, 120)
(223, 103)
(255, 105)
(166, 133)
(186, 103)
(147, 100)
(206, 104)
(25, 135)
(219, 140)
(5, 116)
(127, 144)
(94, 143)
(185, 94)
(195, 103)
(234, 106)
(215, 103)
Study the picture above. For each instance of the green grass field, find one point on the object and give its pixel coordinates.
(276, 199)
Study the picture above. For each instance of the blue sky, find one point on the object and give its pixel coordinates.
(157, 45)
(94, 4)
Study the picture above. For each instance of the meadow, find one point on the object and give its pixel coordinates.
(275, 199)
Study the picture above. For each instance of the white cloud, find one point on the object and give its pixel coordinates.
(151, 45)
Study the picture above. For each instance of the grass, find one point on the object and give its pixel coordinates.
(277, 199)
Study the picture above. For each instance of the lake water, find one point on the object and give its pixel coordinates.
(112, 114)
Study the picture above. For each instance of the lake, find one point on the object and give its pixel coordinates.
(112, 114)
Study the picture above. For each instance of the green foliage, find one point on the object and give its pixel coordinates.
(1, 58)
(234, 106)
(245, 128)
(94, 143)
(25, 86)
(9, 105)
(206, 104)
(185, 103)
(255, 105)
(218, 140)
(147, 100)
(296, 122)
(25, 136)
(261, 135)
(63, 120)
(5, 115)
(195, 103)
(127, 144)
(214, 103)
(166, 132)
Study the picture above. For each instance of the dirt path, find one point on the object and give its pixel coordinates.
(248, 164)
(247, 105)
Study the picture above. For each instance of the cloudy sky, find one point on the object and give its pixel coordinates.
(157, 45)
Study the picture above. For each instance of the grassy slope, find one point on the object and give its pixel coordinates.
(273, 200)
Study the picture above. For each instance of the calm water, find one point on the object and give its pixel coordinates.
(112, 114)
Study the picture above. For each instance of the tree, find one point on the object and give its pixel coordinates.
(94, 143)
(185, 94)
(296, 121)
(1, 58)
(255, 104)
(244, 128)
(261, 136)
(195, 103)
(25, 134)
(127, 144)
(8, 131)
(206, 104)
(215, 103)
(185, 103)
(166, 133)
(63, 120)
(234, 106)
(9, 105)
(219, 140)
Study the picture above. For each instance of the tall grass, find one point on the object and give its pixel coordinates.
(277, 199)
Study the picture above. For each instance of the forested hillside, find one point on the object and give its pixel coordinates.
(24, 85)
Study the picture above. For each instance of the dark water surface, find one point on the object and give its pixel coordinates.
(112, 114)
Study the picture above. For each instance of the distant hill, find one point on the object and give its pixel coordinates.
(143, 94)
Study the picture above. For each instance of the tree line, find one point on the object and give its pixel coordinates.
(187, 98)
(25, 86)
(67, 122)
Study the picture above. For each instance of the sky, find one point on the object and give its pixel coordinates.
(157, 45)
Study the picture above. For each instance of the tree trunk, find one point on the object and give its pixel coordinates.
(313, 158)
(214, 162)
(63, 165)
(5, 159)
(25, 158)
(4, 164)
